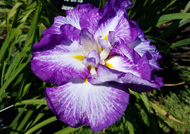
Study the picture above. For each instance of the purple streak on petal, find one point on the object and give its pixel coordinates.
(96, 55)
(104, 43)
(92, 59)
(49, 42)
(123, 50)
(118, 22)
(74, 15)
(144, 68)
(123, 64)
(80, 10)
(122, 4)
(67, 35)
(79, 103)
(133, 82)
(126, 30)
(89, 61)
(142, 46)
(139, 67)
(55, 28)
(86, 35)
(88, 42)
(57, 65)
(90, 19)
(111, 37)
(154, 84)
(71, 32)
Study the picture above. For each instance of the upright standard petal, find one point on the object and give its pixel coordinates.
(88, 42)
(80, 103)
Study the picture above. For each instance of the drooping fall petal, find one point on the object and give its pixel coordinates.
(80, 103)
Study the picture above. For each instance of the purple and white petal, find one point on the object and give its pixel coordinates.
(140, 68)
(71, 32)
(122, 64)
(103, 43)
(111, 38)
(94, 54)
(89, 61)
(90, 19)
(80, 103)
(49, 42)
(122, 4)
(67, 35)
(142, 46)
(122, 49)
(55, 28)
(88, 42)
(118, 22)
(57, 65)
(105, 74)
(72, 17)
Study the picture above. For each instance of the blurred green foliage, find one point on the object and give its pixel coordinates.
(166, 23)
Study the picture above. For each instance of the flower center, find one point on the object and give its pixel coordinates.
(95, 51)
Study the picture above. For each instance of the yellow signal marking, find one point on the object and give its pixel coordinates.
(109, 65)
(79, 57)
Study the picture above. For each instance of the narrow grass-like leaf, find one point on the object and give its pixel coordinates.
(41, 124)
(24, 121)
(15, 121)
(174, 16)
(40, 115)
(12, 13)
(23, 92)
(181, 43)
(66, 130)
(32, 102)
(187, 7)
(146, 101)
(32, 30)
(27, 14)
(13, 76)
(163, 112)
(3, 72)
(14, 63)
(130, 128)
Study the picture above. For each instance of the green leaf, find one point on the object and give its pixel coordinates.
(66, 130)
(181, 43)
(174, 16)
(24, 121)
(130, 128)
(33, 28)
(146, 102)
(15, 121)
(13, 76)
(187, 7)
(13, 10)
(41, 124)
(32, 102)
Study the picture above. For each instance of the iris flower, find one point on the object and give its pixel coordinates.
(94, 56)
